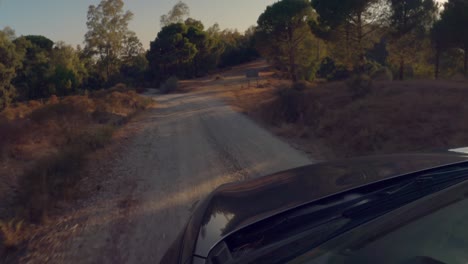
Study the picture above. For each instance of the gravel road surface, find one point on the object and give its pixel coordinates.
(180, 151)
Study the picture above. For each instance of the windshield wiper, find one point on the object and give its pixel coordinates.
(393, 197)
(313, 224)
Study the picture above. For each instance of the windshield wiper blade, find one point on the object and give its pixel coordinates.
(322, 220)
(393, 197)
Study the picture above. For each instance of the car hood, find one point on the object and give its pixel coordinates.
(234, 206)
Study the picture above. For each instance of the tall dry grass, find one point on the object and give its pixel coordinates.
(44, 144)
(393, 117)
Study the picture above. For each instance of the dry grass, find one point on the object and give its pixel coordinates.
(12, 234)
(394, 117)
(43, 146)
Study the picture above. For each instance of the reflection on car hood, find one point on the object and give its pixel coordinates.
(237, 205)
(460, 150)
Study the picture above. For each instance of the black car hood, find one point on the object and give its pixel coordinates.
(236, 205)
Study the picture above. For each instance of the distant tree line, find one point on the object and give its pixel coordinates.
(335, 39)
(34, 67)
(303, 39)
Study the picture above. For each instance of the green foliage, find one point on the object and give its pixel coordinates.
(451, 31)
(32, 81)
(233, 48)
(10, 62)
(186, 50)
(69, 71)
(171, 50)
(176, 16)
(108, 37)
(351, 27)
(331, 71)
(133, 71)
(408, 22)
(283, 36)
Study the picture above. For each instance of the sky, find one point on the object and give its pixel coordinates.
(65, 20)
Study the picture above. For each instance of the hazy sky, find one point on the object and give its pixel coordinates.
(66, 19)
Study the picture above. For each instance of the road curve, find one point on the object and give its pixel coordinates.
(184, 148)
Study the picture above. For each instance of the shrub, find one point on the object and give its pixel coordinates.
(291, 104)
(65, 130)
(54, 177)
(53, 100)
(12, 233)
(96, 138)
(170, 85)
(33, 104)
(141, 90)
(371, 66)
(359, 86)
(120, 87)
(80, 103)
(331, 71)
(382, 74)
(301, 86)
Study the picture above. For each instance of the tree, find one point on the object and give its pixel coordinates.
(68, 71)
(451, 31)
(108, 36)
(409, 22)
(170, 51)
(236, 48)
(10, 62)
(282, 33)
(178, 13)
(354, 24)
(10, 33)
(32, 82)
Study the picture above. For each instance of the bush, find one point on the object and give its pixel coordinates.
(54, 177)
(291, 104)
(382, 74)
(359, 86)
(49, 181)
(331, 71)
(371, 66)
(12, 233)
(53, 100)
(56, 137)
(301, 86)
(170, 85)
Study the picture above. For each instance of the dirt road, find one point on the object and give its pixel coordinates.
(183, 149)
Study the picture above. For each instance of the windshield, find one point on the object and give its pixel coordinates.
(122, 121)
(432, 230)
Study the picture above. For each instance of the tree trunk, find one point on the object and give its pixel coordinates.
(292, 62)
(361, 54)
(465, 61)
(292, 55)
(318, 49)
(437, 63)
(402, 68)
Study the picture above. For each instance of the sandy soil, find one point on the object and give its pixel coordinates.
(170, 157)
